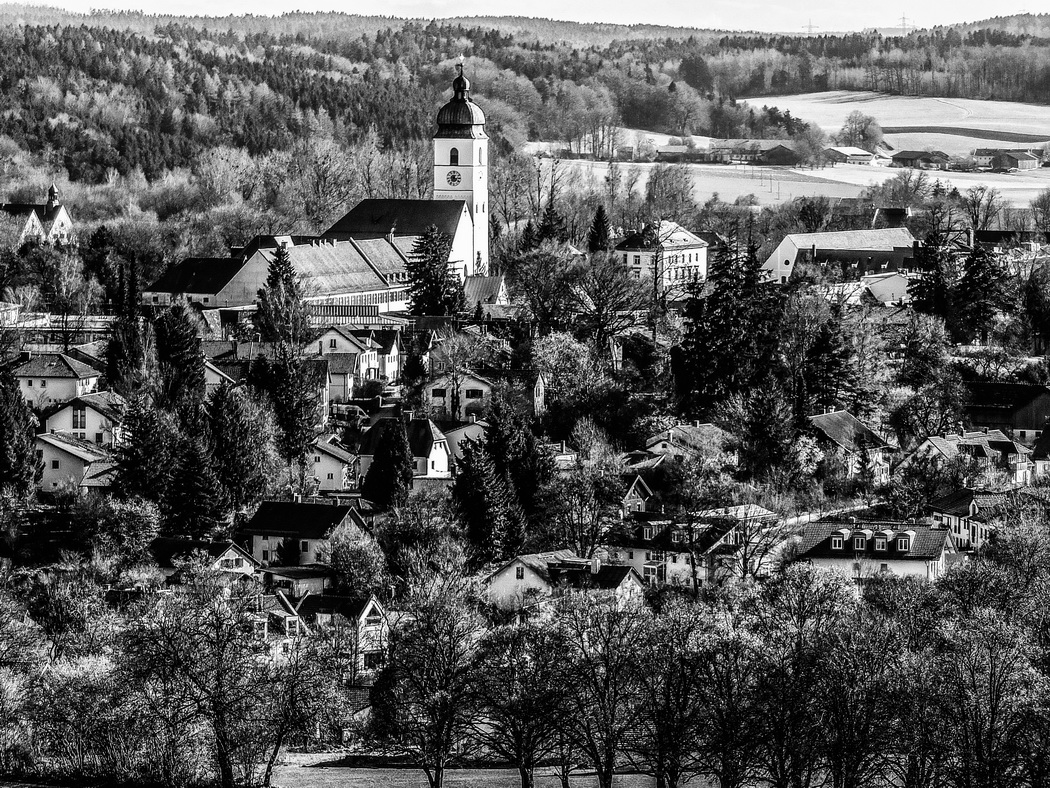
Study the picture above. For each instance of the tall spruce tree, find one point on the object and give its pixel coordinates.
(520, 458)
(196, 504)
(598, 237)
(484, 504)
(146, 456)
(125, 349)
(18, 462)
(241, 445)
(936, 289)
(982, 293)
(283, 314)
(552, 226)
(433, 288)
(287, 380)
(389, 477)
(180, 360)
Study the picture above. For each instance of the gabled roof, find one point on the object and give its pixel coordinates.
(81, 449)
(332, 268)
(885, 240)
(107, 403)
(538, 562)
(332, 450)
(695, 437)
(54, 365)
(166, 550)
(609, 577)
(849, 150)
(372, 218)
(919, 154)
(482, 289)
(342, 363)
(351, 608)
(957, 503)
(303, 572)
(198, 275)
(666, 234)
(927, 543)
(847, 431)
(299, 520)
(100, 474)
(422, 435)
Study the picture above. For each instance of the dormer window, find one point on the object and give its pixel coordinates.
(836, 543)
(880, 542)
(858, 542)
(902, 544)
(677, 537)
(647, 532)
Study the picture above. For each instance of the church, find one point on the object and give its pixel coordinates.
(360, 261)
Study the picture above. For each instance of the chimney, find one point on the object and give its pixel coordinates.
(853, 521)
(985, 430)
(297, 498)
(596, 565)
(473, 418)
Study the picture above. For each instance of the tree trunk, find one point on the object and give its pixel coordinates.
(268, 774)
(436, 777)
(525, 773)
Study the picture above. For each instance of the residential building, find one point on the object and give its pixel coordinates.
(845, 154)
(865, 549)
(485, 290)
(531, 579)
(93, 417)
(745, 151)
(985, 157)
(888, 288)
(1020, 410)
(859, 446)
(172, 554)
(330, 464)
(992, 449)
(667, 256)
(359, 628)
(47, 222)
(856, 252)
(297, 581)
(966, 513)
(475, 393)
(636, 498)
(1015, 160)
(688, 441)
(65, 460)
(921, 159)
(286, 533)
(431, 457)
(49, 378)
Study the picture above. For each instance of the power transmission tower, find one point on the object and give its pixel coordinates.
(811, 27)
(905, 26)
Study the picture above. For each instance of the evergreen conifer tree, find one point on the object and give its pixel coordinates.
(196, 504)
(180, 359)
(18, 462)
(389, 477)
(241, 445)
(283, 314)
(529, 241)
(287, 381)
(598, 238)
(552, 226)
(433, 288)
(935, 291)
(485, 506)
(145, 457)
(982, 293)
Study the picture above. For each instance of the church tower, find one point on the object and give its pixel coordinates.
(461, 164)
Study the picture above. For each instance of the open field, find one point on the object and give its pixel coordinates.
(773, 185)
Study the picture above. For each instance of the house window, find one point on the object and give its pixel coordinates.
(475, 394)
(647, 532)
(331, 343)
(648, 556)
(54, 465)
(836, 543)
(880, 542)
(519, 573)
(98, 437)
(677, 536)
(29, 384)
(630, 555)
(331, 476)
(79, 418)
(438, 393)
(304, 546)
(884, 567)
(266, 555)
(858, 542)
(902, 544)
(43, 384)
(637, 259)
(373, 660)
(317, 458)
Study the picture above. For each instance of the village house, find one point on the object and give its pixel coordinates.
(1020, 410)
(330, 464)
(966, 513)
(171, 554)
(93, 417)
(48, 222)
(358, 627)
(865, 549)
(888, 288)
(636, 498)
(845, 154)
(747, 151)
(475, 393)
(666, 255)
(921, 159)
(992, 449)
(691, 441)
(65, 460)
(856, 252)
(49, 378)
(285, 533)
(859, 446)
(531, 579)
(431, 457)
(296, 581)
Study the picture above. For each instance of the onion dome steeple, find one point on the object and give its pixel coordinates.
(461, 117)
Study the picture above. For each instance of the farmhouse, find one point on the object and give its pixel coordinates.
(66, 459)
(848, 155)
(921, 159)
(862, 449)
(48, 378)
(95, 417)
(986, 157)
(857, 252)
(533, 577)
(288, 533)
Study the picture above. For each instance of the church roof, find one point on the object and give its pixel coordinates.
(371, 219)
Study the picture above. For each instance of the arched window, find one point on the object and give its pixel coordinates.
(481, 159)
(453, 157)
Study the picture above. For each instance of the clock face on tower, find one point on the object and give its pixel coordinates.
(453, 178)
